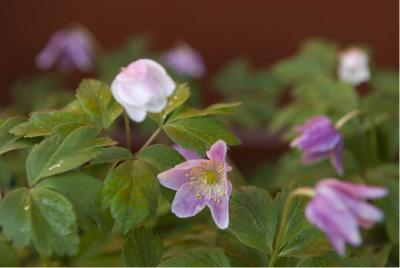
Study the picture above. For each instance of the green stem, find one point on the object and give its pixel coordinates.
(127, 131)
(347, 117)
(150, 140)
(284, 221)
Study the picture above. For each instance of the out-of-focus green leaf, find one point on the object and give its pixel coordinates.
(142, 248)
(96, 101)
(160, 157)
(55, 155)
(130, 191)
(179, 97)
(111, 62)
(333, 260)
(199, 133)
(199, 257)
(42, 216)
(8, 255)
(8, 141)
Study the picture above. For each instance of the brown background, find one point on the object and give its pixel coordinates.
(265, 31)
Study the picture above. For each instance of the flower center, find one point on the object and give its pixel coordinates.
(210, 176)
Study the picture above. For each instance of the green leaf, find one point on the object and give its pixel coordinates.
(239, 254)
(179, 97)
(111, 155)
(142, 248)
(9, 142)
(83, 191)
(15, 218)
(42, 216)
(44, 123)
(161, 157)
(96, 101)
(253, 218)
(130, 191)
(55, 155)
(199, 257)
(333, 260)
(199, 133)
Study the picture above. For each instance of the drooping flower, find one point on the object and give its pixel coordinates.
(201, 182)
(143, 86)
(185, 60)
(319, 139)
(339, 208)
(186, 153)
(353, 66)
(69, 48)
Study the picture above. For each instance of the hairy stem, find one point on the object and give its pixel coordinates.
(283, 223)
(347, 117)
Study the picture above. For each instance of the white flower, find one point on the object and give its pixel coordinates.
(143, 86)
(353, 66)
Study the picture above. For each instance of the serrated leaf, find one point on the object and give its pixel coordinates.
(55, 155)
(130, 191)
(179, 97)
(199, 257)
(42, 216)
(199, 133)
(161, 157)
(83, 191)
(96, 101)
(111, 155)
(9, 142)
(142, 248)
(253, 218)
(44, 123)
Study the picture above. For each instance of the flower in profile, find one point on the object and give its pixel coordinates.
(338, 209)
(143, 86)
(353, 66)
(69, 48)
(201, 182)
(185, 61)
(319, 139)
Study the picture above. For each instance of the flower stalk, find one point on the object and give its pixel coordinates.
(347, 117)
(127, 131)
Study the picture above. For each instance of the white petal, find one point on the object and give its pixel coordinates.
(136, 113)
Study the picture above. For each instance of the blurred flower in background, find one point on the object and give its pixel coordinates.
(69, 48)
(185, 61)
(353, 66)
(339, 208)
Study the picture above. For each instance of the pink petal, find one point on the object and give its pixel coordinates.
(186, 204)
(175, 177)
(220, 211)
(217, 151)
(355, 189)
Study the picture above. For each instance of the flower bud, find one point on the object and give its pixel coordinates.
(185, 61)
(143, 86)
(353, 66)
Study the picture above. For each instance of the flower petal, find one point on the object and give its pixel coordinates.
(175, 177)
(185, 203)
(220, 211)
(217, 151)
(186, 153)
(136, 113)
(355, 189)
(337, 158)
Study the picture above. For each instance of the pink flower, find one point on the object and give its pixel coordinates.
(353, 66)
(70, 48)
(339, 208)
(186, 61)
(143, 86)
(319, 139)
(199, 183)
(187, 154)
